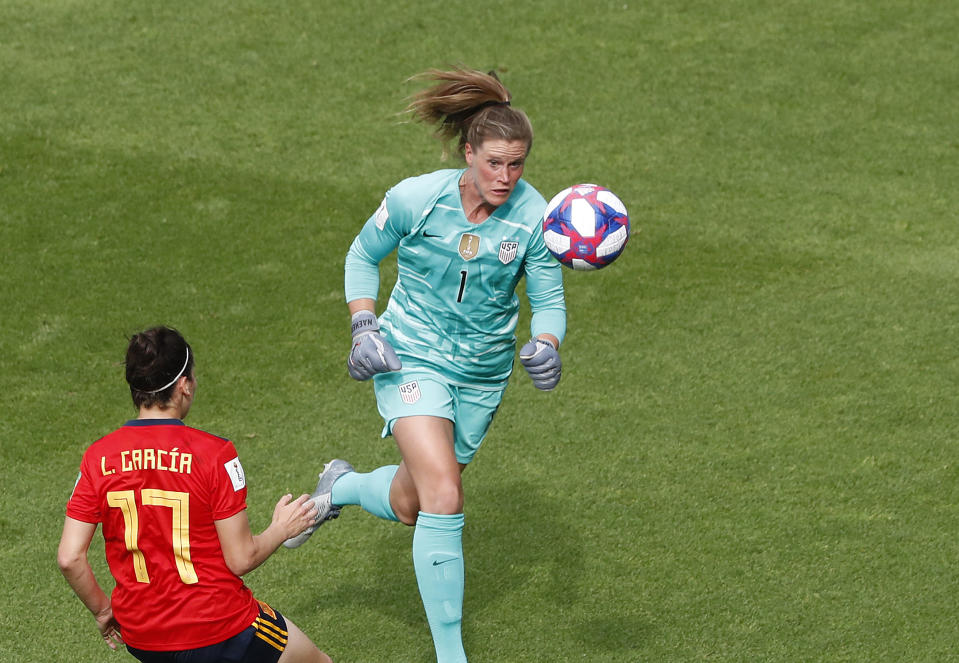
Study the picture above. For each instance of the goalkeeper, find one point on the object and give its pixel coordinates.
(442, 352)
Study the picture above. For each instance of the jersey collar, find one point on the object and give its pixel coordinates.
(154, 422)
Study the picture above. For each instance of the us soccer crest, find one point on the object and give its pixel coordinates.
(469, 246)
(410, 392)
(507, 252)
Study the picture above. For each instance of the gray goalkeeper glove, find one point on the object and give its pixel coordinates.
(371, 353)
(541, 361)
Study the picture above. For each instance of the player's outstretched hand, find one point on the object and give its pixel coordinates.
(541, 361)
(294, 516)
(371, 352)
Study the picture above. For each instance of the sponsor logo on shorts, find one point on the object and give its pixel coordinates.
(507, 252)
(469, 246)
(410, 392)
(267, 610)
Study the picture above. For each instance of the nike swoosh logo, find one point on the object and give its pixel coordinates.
(426, 234)
(444, 561)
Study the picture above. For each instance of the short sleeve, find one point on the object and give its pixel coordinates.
(229, 484)
(83, 504)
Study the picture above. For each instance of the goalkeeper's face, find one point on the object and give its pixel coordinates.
(495, 168)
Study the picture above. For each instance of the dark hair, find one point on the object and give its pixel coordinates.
(469, 106)
(156, 357)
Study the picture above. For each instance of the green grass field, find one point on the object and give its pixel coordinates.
(752, 454)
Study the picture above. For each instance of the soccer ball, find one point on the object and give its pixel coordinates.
(586, 226)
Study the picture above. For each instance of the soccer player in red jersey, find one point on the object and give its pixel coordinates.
(172, 503)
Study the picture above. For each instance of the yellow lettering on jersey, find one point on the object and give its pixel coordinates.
(151, 459)
(103, 467)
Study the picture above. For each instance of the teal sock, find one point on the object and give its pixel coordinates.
(370, 491)
(438, 562)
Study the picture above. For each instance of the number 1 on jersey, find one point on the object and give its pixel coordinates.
(459, 297)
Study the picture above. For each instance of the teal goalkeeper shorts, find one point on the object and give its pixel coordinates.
(413, 393)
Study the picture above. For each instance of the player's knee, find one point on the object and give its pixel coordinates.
(443, 497)
(405, 504)
(406, 514)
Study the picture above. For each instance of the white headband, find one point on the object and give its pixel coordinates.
(171, 382)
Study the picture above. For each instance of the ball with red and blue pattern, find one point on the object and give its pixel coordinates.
(586, 227)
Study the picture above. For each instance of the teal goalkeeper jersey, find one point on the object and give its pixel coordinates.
(454, 307)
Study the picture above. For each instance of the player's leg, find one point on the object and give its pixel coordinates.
(300, 649)
(272, 638)
(389, 492)
(403, 496)
(429, 465)
(398, 395)
(429, 461)
(369, 490)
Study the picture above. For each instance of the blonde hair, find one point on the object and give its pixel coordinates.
(469, 106)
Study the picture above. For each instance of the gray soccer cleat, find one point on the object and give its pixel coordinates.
(321, 496)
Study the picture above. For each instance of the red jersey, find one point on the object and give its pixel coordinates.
(157, 486)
